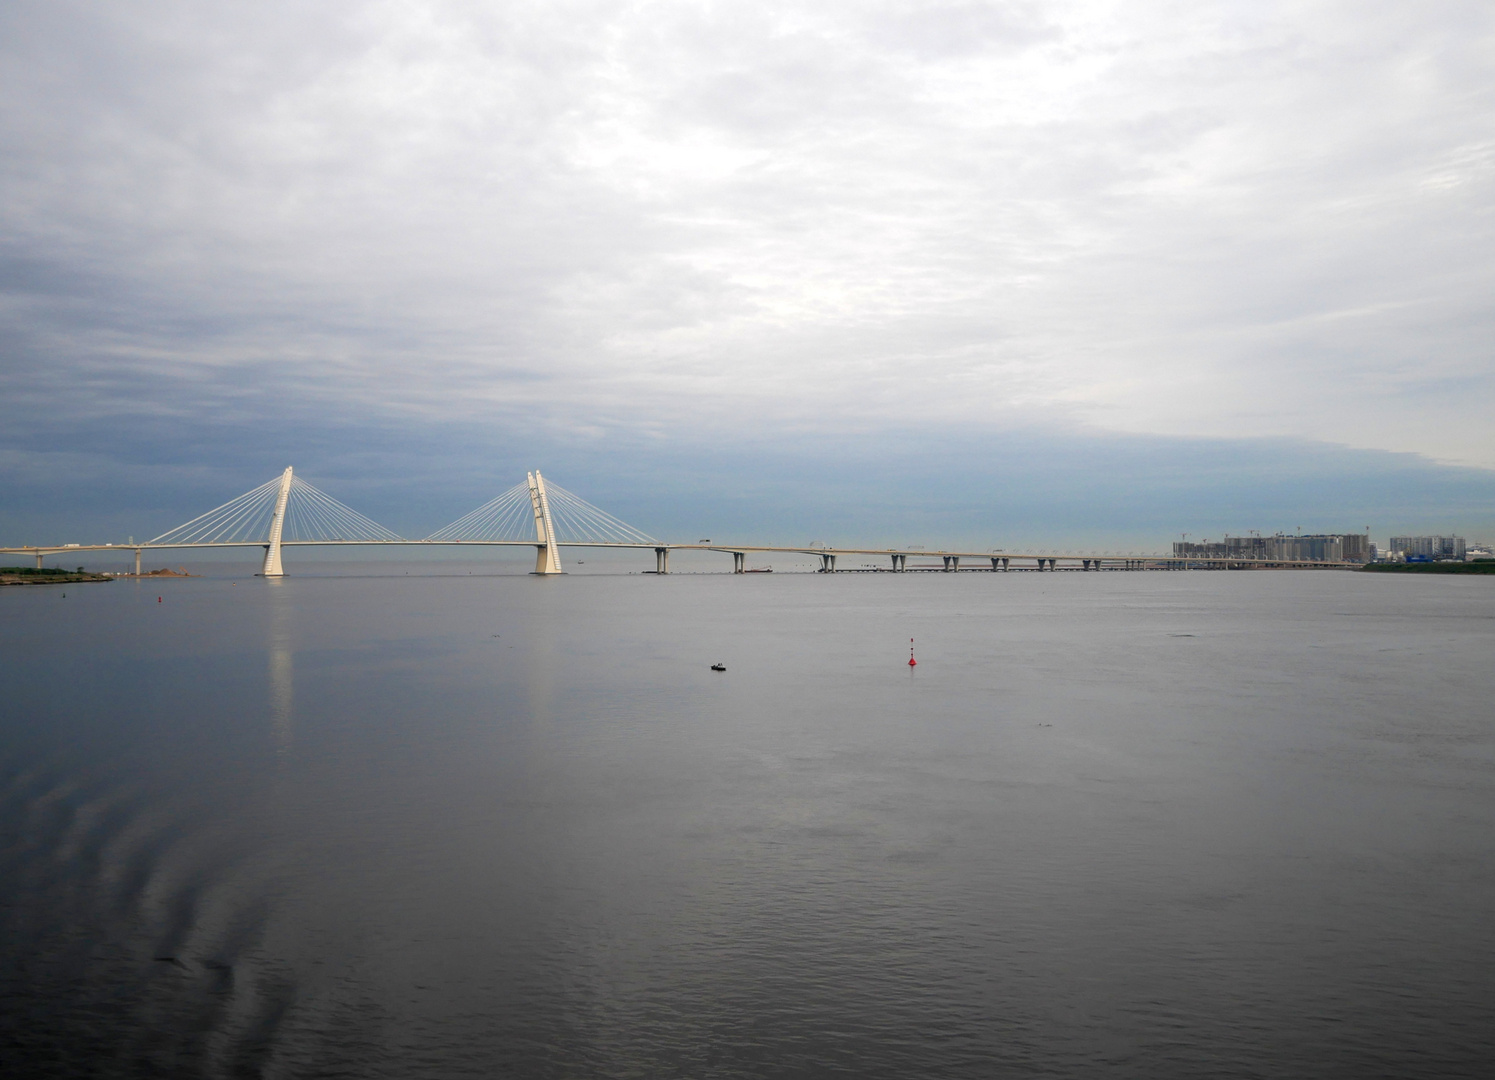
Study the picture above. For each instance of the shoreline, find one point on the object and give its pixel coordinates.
(1483, 566)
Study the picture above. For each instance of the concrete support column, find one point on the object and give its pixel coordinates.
(996, 563)
(38, 560)
(827, 562)
(137, 562)
(898, 561)
(1004, 564)
(954, 563)
(661, 560)
(739, 562)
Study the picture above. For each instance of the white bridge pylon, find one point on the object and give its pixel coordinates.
(288, 510)
(556, 516)
(284, 510)
(547, 556)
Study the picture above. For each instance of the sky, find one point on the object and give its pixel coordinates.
(1076, 273)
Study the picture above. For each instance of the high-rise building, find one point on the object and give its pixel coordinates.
(1328, 547)
(1438, 548)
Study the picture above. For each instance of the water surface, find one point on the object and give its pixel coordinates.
(1120, 824)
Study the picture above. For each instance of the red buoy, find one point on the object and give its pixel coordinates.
(911, 661)
(158, 599)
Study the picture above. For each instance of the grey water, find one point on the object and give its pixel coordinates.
(392, 823)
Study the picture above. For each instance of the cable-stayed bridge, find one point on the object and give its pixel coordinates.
(286, 511)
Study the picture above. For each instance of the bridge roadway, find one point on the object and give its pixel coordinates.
(950, 560)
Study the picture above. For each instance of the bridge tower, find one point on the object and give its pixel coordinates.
(277, 526)
(547, 557)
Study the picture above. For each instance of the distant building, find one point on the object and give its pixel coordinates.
(1434, 548)
(1334, 547)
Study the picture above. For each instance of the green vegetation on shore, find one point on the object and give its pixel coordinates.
(46, 575)
(1478, 566)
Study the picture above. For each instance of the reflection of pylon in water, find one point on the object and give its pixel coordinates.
(911, 661)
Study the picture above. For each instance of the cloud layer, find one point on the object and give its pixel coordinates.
(690, 225)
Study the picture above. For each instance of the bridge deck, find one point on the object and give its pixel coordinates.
(939, 553)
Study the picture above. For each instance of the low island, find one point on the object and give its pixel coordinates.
(46, 575)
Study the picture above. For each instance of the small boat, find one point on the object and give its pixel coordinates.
(718, 667)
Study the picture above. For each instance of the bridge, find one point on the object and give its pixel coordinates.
(286, 511)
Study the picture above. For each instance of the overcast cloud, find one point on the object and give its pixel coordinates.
(716, 226)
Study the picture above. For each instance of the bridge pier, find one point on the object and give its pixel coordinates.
(661, 560)
(952, 563)
(137, 562)
(739, 562)
(898, 561)
(827, 562)
(38, 560)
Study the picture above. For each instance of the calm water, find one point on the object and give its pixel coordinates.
(1143, 824)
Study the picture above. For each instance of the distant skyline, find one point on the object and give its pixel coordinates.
(891, 272)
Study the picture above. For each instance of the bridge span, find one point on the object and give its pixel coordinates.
(288, 512)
